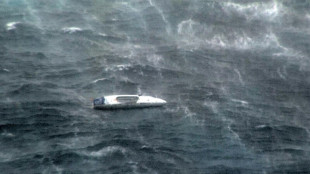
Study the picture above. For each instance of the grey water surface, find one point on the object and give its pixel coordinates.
(235, 73)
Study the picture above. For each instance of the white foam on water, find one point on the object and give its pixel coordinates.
(243, 41)
(4, 157)
(53, 169)
(239, 39)
(235, 138)
(189, 35)
(107, 151)
(187, 112)
(239, 76)
(137, 46)
(35, 17)
(256, 10)
(11, 25)
(242, 102)
(155, 59)
(281, 75)
(186, 26)
(308, 16)
(97, 80)
(124, 3)
(272, 40)
(7, 134)
(119, 67)
(290, 53)
(161, 13)
(134, 166)
(103, 34)
(122, 67)
(71, 29)
(76, 141)
(273, 11)
(235, 134)
(260, 126)
(212, 105)
(218, 41)
(137, 11)
(139, 91)
(195, 35)
(4, 69)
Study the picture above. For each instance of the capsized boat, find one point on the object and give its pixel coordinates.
(126, 101)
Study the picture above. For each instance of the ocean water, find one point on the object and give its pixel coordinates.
(235, 73)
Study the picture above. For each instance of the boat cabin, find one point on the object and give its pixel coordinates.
(99, 101)
(127, 99)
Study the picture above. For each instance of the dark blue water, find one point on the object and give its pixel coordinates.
(235, 73)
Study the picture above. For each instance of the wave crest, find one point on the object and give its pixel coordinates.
(11, 25)
(71, 29)
(107, 151)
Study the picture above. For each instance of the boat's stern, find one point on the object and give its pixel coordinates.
(98, 102)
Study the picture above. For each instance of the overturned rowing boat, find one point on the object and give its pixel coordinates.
(126, 101)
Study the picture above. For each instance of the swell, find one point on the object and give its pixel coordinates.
(235, 74)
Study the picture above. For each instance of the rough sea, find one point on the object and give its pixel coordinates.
(235, 74)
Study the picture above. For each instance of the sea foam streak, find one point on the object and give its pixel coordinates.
(256, 10)
(71, 29)
(97, 80)
(11, 25)
(107, 150)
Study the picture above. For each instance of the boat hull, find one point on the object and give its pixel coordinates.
(127, 106)
(127, 102)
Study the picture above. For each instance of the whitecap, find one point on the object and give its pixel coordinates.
(107, 151)
(188, 112)
(53, 169)
(11, 25)
(260, 126)
(212, 105)
(122, 67)
(281, 75)
(195, 34)
(155, 59)
(235, 134)
(243, 41)
(186, 27)
(273, 10)
(7, 134)
(97, 80)
(71, 29)
(4, 69)
(256, 10)
(240, 101)
(217, 41)
(102, 34)
(5, 157)
(239, 76)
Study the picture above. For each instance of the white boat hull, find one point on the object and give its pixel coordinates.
(127, 102)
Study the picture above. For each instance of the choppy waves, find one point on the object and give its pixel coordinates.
(234, 73)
